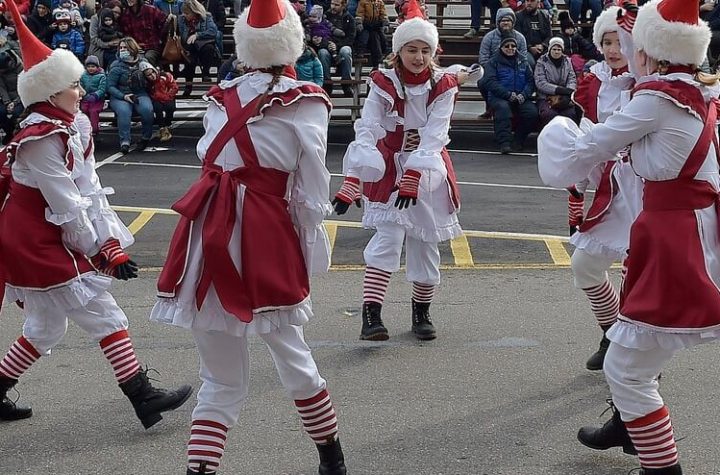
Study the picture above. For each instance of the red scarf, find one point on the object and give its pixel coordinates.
(415, 79)
(52, 112)
(619, 71)
(676, 68)
(288, 71)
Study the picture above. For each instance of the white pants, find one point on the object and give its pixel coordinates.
(225, 371)
(422, 258)
(589, 270)
(45, 327)
(632, 376)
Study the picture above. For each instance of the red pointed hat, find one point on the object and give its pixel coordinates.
(45, 72)
(671, 30)
(415, 27)
(268, 33)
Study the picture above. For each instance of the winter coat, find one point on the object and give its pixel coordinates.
(125, 78)
(147, 26)
(217, 9)
(168, 6)
(535, 28)
(74, 40)
(490, 43)
(164, 89)
(40, 26)
(10, 59)
(576, 44)
(205, 29)
(309, 68)
(323, 29)
(107, 33)
(346, 23)
(505, 75)
(371, 12)
(549, 77)
(95, 83)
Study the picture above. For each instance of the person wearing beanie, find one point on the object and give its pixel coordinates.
(604, 229)
(409, 190)
(61, 243)
(576, 46)
(505, 25)
(67, 37)
(94, 82)
(40, 22)
(671, 299)
(251, 234)
(555, 82)
(162, 88)
(510, 84)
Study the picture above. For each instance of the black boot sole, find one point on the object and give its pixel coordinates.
(630, 450)
(377, 336)
(155, 417)
(16, 417)
(425, 336)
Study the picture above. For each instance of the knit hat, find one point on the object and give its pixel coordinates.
(556, 41)
(565, 21)
(415, 27)
(503, 13)
(92, 60)
(316, 13)
(671, 30)
(268, 33)
(144, 66)
(61, 15)
(606, 22)
(508, 39)
(45, 72)
(45, 3)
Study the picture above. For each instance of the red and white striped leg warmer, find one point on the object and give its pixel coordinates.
(652, 436)
(375, 285)
(119, 351)
(423, 293)
(18, 359)
(206, 445)
(318, 417)
(604, 302)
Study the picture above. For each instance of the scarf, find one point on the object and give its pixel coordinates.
(52, 112)
(415, 79)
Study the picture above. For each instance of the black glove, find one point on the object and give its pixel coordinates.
(563, 91)
(349, 192)
(126, 271)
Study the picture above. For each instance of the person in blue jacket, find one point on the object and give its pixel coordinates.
(510, 85)
(67, 37)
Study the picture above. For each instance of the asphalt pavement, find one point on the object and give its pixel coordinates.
(502, 391)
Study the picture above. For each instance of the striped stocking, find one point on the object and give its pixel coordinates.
(604, 302)
(206, 446)
(652, 436)
(318, 417)
(375, 285)
(423, 293)
(118, 350)
(18, 359)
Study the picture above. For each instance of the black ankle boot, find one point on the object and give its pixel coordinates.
(372, 325)
(674, 470)
(332, 460)
(422, 326)
(9, 411)
(595, 363)
(149, 402)
(612, 434)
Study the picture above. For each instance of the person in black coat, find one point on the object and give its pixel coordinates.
(40, 22)
(534, 24)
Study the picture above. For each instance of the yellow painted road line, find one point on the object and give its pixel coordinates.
(332, 234)
(461, 252)
(557, 252)
(137, 209)
(140, 221)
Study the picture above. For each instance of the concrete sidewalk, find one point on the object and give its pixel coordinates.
(502, 391)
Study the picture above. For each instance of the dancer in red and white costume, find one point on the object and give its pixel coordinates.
(410, 192)
(60, 242)
(251, 233)
(670, 296)
(604, 231)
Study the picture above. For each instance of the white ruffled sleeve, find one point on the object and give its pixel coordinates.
(309, 203)
(434, 136)
(362, 159)
(67, 208)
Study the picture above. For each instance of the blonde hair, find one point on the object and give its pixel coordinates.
(194, 7)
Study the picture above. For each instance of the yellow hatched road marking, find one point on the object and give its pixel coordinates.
(461, 252)
(139, 222)
(332, 234)
(557, 252)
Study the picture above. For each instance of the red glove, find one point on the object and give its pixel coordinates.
(349, 192)
(113, 261)
(576, 209)
(408, 189)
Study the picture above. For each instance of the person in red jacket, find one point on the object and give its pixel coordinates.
(145, 24)
(162, 88)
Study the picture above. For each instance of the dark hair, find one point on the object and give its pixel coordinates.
(276, 72)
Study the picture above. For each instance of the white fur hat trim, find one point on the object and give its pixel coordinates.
(55, 73)
(278, 45)
(606, 22)
(673, 41)
(415, 29)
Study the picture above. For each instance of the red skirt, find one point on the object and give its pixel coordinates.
(31, 249)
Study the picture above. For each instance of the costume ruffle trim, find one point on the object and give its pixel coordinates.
(70, 295)
(379, 213)
(76, 212)
(363, 161)
(591, 245)
(637, 336)
(172, 312)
